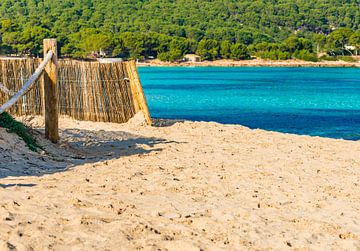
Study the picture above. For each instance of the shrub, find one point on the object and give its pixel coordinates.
(163, 56)
(328, 58)
(305, 55)
(347, 59)
(283, 55)
(208, 49)
(13, 126)
(239, 52)
(171, 55)
(274, 55)
(336, 58)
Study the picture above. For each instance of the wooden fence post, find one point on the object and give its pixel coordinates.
(50, 93)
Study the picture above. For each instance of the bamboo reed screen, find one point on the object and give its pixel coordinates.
(92, 91)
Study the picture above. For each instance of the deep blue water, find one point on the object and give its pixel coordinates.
(313, 101)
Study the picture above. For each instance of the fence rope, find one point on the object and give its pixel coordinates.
(29, 84)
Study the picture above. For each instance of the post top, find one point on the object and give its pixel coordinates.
(50, 42)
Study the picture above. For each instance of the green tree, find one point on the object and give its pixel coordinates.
(134, 44)
(180, 44)
(208, 49)
(119, 49)
(26, 42)
(338, 40)
(292, 44)
(6, 25)
(306, 44)
(355, 41)
(239, 52)
(171, 55)
(88, 42)
(146, 28)
(320, 40)
(244, 37)
(225, 49)
(305, 55)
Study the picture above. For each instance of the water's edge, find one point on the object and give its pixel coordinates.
(307, 101)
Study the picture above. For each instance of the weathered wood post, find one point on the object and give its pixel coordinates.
(50, 93)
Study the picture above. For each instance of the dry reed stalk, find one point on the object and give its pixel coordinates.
(87, 90)
(138, 92)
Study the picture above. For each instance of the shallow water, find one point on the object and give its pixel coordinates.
(312, 101)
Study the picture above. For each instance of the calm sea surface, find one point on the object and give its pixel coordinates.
(313, 101)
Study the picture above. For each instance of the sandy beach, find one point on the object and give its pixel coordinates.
(254, 63)
(181, 186)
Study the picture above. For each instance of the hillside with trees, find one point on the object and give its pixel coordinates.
(168, 29)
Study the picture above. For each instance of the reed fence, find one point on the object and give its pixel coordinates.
(107, 92)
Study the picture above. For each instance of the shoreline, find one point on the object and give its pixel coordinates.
(250, 63)
(165, 122)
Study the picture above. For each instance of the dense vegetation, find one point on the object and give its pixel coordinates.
(13, 126)
(167, 29)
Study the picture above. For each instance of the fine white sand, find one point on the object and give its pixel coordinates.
(187, 186)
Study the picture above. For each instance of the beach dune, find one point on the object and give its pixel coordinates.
(182, 186)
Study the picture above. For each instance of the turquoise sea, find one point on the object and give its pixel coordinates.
(312, 101)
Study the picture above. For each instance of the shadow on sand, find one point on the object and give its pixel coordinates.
(79, 147)
(166, 122)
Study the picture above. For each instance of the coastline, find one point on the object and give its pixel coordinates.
(250, 63)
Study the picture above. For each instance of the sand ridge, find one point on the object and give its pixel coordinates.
(186, 186)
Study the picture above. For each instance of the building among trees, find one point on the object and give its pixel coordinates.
(193, 58)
